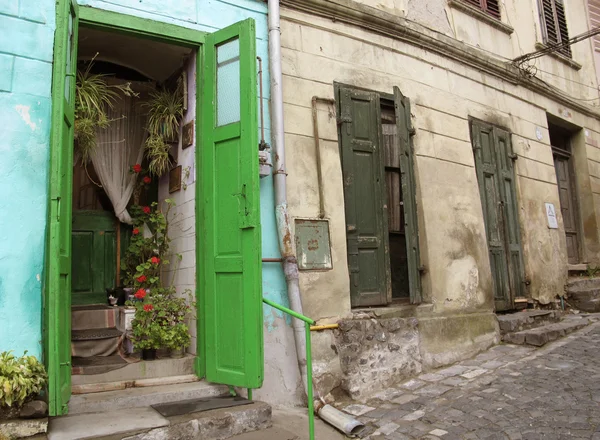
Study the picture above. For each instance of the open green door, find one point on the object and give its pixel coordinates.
(57, 301)
(229, 263)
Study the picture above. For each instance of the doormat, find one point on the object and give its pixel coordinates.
(199, 405)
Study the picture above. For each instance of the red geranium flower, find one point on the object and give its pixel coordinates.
(140, 294)
(146, 209)
(142, 279)
(148, 307)
(147, 179)
(136, 231)
(155, 260)
(137, 168)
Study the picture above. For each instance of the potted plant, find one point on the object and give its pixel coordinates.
(147, 333)
(21, 380)
(161, 315)
(165, 111)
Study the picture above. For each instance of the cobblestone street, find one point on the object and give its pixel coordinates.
(508, 392)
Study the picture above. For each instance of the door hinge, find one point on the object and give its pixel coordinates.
(57, 200)
(412, 131)
(341, 119)
(422, 270)
(65, 364)
(513, 156)
(476, 145)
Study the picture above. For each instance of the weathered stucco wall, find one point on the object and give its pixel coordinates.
(444, 94)
(25, 76)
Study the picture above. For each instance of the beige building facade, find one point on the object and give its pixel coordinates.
(439, 166)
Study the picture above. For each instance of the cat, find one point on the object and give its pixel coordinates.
(119, 294)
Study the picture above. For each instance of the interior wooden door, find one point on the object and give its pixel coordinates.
(94, 256)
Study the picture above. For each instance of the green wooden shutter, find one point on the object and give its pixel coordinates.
(230, 289)
(364, 190)
(409, 195)
(495, 174)
(57, 304)
(508, 194)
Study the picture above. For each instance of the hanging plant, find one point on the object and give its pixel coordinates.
(157, 151)
(93, 97)
(165, 111)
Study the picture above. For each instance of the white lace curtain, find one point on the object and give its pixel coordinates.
(118, 147)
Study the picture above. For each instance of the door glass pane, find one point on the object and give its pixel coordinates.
(228, 83)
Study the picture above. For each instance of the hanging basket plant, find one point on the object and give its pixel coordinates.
(165, 111)
(93, 97)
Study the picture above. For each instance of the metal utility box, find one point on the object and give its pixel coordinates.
(312, 245)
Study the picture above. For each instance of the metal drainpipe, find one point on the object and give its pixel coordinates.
(329, 414)
(290, 264)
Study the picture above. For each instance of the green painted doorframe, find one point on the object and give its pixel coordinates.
(143, 28)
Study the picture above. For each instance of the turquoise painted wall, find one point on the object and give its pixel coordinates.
(25, 76)
(25, 82)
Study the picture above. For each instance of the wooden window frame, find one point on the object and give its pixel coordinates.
(486, 6)
(557, 29)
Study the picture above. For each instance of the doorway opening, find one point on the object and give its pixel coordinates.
(562, 153)
(379, 196)
(113, 178)
(398, 256)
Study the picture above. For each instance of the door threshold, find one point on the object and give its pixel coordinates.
(139, 383)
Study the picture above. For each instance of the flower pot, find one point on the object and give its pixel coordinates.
(149, 354)
(163, 353)
(177, 353)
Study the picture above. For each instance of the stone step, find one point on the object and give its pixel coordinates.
(145, 423)
(142, 397)
(517, 322)
(540, 336)
(140, 370)
(584, 297)
(575, 284)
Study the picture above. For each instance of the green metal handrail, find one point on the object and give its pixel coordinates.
(309, 384)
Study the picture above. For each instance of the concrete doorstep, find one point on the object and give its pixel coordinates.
(147, 424)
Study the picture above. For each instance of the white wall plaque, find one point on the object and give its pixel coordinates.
(551, 214)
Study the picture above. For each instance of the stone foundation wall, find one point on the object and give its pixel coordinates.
(368, 354)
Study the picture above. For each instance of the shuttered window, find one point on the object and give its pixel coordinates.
(554, 24)
(492, 7)
(594, 9)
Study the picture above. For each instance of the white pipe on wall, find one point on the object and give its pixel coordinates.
(284, 232)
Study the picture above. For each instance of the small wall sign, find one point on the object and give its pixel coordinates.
(188, 135)
(551, 215)
(175, 179)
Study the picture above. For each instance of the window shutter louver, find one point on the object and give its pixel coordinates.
(492, 7)
(555, 24)
(594, 8)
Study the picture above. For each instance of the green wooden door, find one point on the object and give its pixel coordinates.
(94, 262)
(495, 174)
(409, 194)
(57, 304)
(366, 216)
(230, 287)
